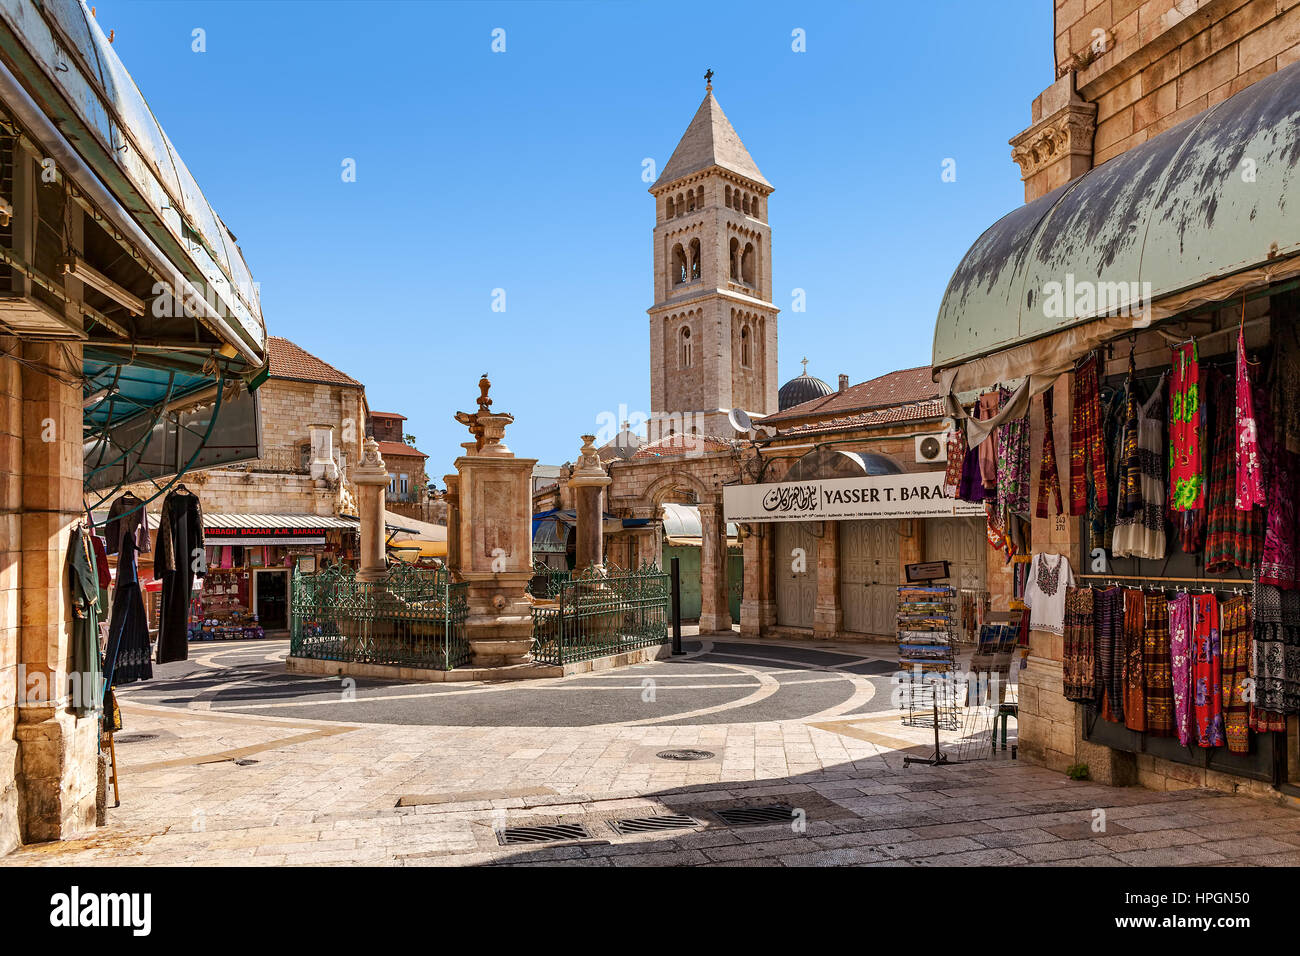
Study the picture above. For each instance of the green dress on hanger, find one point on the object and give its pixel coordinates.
(86, 675)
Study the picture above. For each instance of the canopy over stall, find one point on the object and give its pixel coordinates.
(1197, 214)
(114, 245)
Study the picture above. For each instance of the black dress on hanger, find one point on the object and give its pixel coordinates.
(126, 658)
(177, 560)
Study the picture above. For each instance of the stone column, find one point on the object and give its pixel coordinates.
(715, 616)
(828, 613)
(452, 498)
(495, 544)
(589, 482)
(758, 604)
(56, 763)
(371, 479)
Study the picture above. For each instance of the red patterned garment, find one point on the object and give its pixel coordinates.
(1186, 474)
(1250, 474)
(1087, 449)
(1207, 671)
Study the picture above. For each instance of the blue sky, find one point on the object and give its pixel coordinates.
(522, 170)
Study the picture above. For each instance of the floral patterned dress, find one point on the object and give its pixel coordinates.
(1186, 478)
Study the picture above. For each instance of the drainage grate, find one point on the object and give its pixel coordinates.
(549, 833)
(133, 738)
(669, 821)
(243, 763)
(749, 816)
(685, 755)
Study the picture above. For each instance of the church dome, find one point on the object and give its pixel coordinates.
(803, 388)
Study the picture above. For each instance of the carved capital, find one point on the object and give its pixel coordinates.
(1067, 132)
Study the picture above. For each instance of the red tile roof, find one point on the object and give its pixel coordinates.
(904, 387)
(387, 415)
(682, 445)
(399, 448)
(918, 411)
(291, 361)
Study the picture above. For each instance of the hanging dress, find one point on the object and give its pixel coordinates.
(1186, 477)
(84, 674)
(1236, 671)
(1207, 671)
(1180, 648)
(1140, 533)
(1250, 475)
(1158, 667)
(127, 657)
(1276, 655)
(1078, 665)
(1233, 538)
(1135, 703)
(179, 541)
(1108, 617)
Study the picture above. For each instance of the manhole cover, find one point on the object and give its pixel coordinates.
(512, 836)
(243, 763)
(686, 755)
(133, 738)
(668, 821)
(750, 816)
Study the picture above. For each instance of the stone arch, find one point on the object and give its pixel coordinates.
(748, 274)
(672, 208)
(680, 487)
(695, 253)
(678, 268)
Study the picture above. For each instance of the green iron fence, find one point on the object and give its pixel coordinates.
(595, 614)
(547, 581)
(414, 617)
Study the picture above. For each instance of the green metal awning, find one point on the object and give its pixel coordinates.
(1211, 199)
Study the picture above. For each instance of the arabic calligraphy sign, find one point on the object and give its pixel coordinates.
(845, 499)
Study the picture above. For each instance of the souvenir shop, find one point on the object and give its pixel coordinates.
(1176, 598)
(247, 592)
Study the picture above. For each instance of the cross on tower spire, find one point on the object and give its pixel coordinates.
(708, 81)
(805, 366)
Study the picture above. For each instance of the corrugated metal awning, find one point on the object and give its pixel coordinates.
(217, 522)
(1205, 200)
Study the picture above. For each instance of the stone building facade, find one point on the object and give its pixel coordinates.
(311, 413)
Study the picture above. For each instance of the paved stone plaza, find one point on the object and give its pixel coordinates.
(226, 759)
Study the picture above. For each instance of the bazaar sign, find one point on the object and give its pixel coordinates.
(846, 499)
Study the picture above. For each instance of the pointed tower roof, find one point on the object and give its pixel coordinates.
(710, 140)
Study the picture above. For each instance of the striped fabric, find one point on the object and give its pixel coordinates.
(1158, 669)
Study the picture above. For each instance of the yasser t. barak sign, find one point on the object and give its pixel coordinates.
(846, 499)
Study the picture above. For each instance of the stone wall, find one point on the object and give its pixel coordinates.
(289, 408)
(1128, 70)
(10, 586)
(48, 766)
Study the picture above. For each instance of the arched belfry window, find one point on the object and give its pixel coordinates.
(695, 259)
(747, 264)
(678, 269)
(687, 348)
(672, 208)
(745, 357)
(726, 201)
(753, 209)
(735, 260)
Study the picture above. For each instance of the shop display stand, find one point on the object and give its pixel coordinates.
(926, 620)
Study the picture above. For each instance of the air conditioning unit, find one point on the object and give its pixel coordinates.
(932, 448)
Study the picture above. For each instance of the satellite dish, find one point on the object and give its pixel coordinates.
(740, 420)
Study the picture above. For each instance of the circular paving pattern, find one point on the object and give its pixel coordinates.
(714, 682)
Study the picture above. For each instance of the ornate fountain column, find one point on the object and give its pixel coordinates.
(494, 539)
(589, 482)
(371, 478)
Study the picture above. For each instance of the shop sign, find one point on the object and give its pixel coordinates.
(917, 495)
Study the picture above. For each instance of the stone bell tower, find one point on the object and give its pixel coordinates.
(713, 324)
